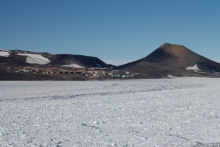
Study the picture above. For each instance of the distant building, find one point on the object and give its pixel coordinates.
(116, 75)
(115, 71)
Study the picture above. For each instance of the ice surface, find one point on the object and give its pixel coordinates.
(153, 113)
(195, 68)
(35, 59)
(73, 65)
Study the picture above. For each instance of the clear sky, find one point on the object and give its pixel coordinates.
(115, 31)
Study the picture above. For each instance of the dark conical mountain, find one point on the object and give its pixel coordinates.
(171, 59)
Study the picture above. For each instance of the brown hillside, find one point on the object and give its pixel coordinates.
(170, 59)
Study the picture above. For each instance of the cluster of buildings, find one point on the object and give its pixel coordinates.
(91, 73)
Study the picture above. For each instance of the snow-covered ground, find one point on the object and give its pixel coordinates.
(35, 59)
(153, 113)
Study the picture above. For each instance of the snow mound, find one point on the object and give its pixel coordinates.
(195, 68)
(170, 76)
(73, 65)
(4, 53)
(35, 59)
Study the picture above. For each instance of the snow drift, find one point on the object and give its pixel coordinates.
(73, 65)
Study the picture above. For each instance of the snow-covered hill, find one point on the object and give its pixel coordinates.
(21, 58)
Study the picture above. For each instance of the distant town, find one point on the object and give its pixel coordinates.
(88, 73)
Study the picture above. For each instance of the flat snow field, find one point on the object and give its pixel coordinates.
(181, 112)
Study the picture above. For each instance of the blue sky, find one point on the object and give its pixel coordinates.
(115, 31)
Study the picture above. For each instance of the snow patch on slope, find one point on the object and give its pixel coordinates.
(195, 68)
(73, 65)
(35, 59)
(170, 76)
(4, 53)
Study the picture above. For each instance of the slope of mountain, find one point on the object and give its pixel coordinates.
(168, 59)
(172, 59)
(27, 58)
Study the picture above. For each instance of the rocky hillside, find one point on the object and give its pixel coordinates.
(27, 58)
(172, 59)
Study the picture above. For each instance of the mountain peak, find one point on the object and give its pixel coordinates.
(166, 44)
(174, 49)
(169, 45)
